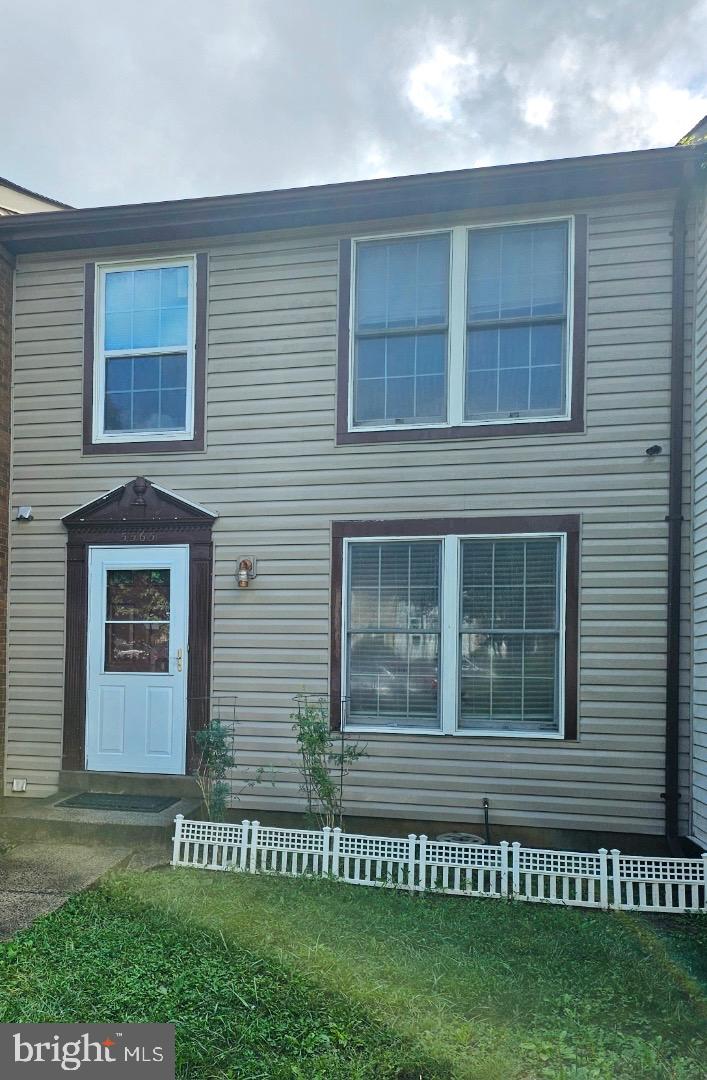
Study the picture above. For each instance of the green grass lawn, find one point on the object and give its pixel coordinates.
(273, 978)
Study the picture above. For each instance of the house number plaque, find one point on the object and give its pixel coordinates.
(138, 537)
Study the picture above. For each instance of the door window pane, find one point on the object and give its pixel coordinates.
(393, 634)
(137, 647)
(137, 620)
(141, 595)
(400, 330)
(516, 321)
(510, 635)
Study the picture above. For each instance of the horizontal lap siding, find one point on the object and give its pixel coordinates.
(276, 479)
(699, 696)
(6, 294)
(685, 701)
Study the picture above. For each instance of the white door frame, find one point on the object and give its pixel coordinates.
(118, 733)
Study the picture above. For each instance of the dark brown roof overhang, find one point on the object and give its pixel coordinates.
(348, 203)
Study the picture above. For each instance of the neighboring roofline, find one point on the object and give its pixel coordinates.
(4, 182)
(688, 137)
(348, 203)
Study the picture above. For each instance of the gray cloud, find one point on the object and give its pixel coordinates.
(159, 100)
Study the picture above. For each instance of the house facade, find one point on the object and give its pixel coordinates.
(442, 428)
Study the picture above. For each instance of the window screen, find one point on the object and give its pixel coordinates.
(509, 635)
(516, 353)
(400, 331)
(393, 634)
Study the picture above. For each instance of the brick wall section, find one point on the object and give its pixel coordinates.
(6, 292)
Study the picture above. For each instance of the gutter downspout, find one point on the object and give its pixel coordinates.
(674, 517)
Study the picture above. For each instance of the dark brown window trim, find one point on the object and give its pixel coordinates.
(149, 446)
(573, 425)
(563, 523)
(136, 515)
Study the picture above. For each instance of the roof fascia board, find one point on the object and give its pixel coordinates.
(338, 204)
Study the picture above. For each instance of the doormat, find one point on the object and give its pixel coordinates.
(100, 800)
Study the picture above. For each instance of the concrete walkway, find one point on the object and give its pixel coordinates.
(36, 878)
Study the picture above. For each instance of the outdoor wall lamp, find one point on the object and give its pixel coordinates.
(246, 573)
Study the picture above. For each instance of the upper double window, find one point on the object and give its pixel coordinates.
(462, 327)
(144, 362)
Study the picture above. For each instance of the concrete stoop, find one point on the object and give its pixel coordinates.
(43, 819)
(74, 781)
(24, 818)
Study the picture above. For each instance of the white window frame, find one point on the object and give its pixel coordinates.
(457, 327)
(450, 608)
(99, 365)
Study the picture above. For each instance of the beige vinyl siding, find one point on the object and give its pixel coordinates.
(685, 703)
(276, 479)
(699, 696)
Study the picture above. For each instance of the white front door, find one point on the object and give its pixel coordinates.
(136, 701)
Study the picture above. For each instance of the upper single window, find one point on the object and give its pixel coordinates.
(466, 328)
(144, 369)
(401, 324)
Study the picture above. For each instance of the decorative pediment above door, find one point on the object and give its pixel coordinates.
(137, 503)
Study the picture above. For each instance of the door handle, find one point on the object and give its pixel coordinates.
(179, 659)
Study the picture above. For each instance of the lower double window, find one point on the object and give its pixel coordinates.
(455, 633)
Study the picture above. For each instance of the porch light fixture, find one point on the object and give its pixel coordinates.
(246, 572)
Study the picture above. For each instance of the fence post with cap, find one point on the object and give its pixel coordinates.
(504, 867)
(177, 839)
(615, 879)
(254, 826)
(604, 878)
(326, 843)
(243, 853)
(516, 869)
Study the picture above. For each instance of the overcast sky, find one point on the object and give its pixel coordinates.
(162, 99)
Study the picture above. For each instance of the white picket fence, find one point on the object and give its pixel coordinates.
(605, 880)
